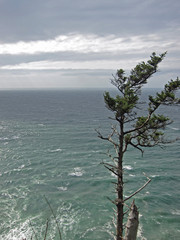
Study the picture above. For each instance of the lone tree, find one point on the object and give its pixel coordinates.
(133, 130)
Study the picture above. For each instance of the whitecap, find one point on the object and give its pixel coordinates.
(22, 231)
(62, 188)
(4, 138)
(96, 151)
(176, 212)
(140, 233)
(41, 125)
(15, 137)
(174, 128)
(22, 166)
(55, 150)
(132, 175)
(153, 176)
(19, 168)
(113, 175)
(78, 172)
(127, 167)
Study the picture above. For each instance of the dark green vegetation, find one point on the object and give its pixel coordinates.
(134, 130)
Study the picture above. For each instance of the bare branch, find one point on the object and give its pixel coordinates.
(115, 130)
(114, 202)
(125, 147)
(54, 217)
(46, 230)
(112, 170)
(111, 157)
(140, 189)
(110, 165)
(107, 138)
(125, 212)
(114, 183)
(136, 146)
(145, 122)
(138, 128)
(33, 230)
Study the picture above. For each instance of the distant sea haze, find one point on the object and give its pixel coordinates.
(48, 146)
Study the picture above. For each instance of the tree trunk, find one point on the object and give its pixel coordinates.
(119, 218)
(132, 223)
(120, 214)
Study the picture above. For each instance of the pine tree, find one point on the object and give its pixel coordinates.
(134, 130)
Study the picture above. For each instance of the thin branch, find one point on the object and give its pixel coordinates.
(125, 212)
(54, 218)
(144, 124)
(125, 148)
(33, 230)
(138, 128)
(115, 131)
(112, 158)
(115, 210)
(126, 205)
(114, 119)
(111, 170)
(46, 230)
(136, 146)
(107, 138)
(114, 183)
(140, 189)
(110, 165)
(112, 201)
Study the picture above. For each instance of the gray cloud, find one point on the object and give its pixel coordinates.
(38, 19)
(123, 33)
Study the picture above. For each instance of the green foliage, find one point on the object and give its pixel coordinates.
(138, 76)
(137, 131)
(165, 97)
(145, 129)
(121, 104)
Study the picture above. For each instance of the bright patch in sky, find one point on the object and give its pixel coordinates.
(86, 44)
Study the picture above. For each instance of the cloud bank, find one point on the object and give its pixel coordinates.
(89, 44)
(81, 43)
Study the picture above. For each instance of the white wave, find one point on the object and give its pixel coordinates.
(19, 168)
(55, 150)
(15, 137)
(78, 172)
(127, 167)
(62, 188)
(4, 138)
(96, 151)
(23, 231)
(113, 175)
(140, 231)
(153, 176)
(176, 212)
(41, 125)
(174, 128)
(9, 138)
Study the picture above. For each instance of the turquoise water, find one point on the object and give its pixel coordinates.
(48, 147)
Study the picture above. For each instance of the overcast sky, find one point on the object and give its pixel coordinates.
(81, 43)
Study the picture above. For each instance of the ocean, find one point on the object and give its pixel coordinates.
(49, 149)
